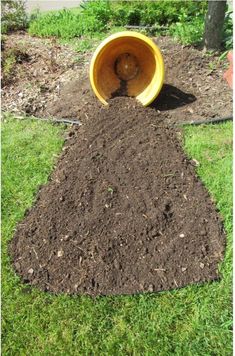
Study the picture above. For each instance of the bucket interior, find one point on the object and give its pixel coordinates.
(125, 66)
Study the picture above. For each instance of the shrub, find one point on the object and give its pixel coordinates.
(13, 15)
(228, 30)
(99, 10)
(149, 13)
(181, 19)
(65, 24)
(100, 15)
(188, 31)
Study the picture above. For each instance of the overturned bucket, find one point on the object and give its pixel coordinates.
(127, 63)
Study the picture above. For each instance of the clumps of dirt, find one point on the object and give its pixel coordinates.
(123, 212)
(76, 100)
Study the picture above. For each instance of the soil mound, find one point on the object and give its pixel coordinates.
(194, 88)
(123, 212)
(54, 82)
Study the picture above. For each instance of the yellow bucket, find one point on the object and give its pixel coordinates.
(127, 62)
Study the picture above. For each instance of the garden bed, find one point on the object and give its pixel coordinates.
(123, 212)
(54, 82)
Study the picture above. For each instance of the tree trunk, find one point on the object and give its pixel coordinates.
(214, 24)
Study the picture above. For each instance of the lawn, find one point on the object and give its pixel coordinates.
(195, 320)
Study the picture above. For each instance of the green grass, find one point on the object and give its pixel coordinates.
(195, 320)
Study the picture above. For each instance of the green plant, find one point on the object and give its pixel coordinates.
(223, 55)
(110, 190)
(99, 10)
(8, 66)
(212, 66)
(10, 57)
(13, 15)
(181, 19)
(188, 32)
(101, 15)
(152, 13)
(69, 24)
(228, 30)
(84, 45)
(34, 15)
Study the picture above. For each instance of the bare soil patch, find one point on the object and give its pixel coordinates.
(54, 82)
(123, 212)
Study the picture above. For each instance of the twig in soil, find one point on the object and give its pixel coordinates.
(52, 120)
(159, 269)
(78, 247)
(80, 261)
(168, 175)
(35, 253)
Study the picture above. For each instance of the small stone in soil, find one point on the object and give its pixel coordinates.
(60, 253)
(17, 265)
(150, 288)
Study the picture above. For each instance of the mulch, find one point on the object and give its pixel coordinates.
(123, 212)
(52, 80)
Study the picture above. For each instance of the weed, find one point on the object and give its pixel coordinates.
(212, 65)
(223, 55)
(10, 57)
(110, 190)
(8, 66)
(84, 45)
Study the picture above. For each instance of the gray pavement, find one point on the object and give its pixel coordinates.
(43, 5)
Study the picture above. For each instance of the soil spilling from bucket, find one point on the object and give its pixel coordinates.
(122, 213)
(52, 80)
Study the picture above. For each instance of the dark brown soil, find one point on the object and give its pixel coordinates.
(123, 212)
(55, 82)
(194, 88)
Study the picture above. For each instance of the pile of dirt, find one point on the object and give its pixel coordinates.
(123, 212)
(192, 89)
(55, 82)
